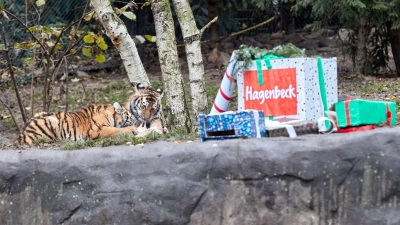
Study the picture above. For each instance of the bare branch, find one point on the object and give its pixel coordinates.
(11, 113)
(12, 75)
(66, 84)
(253, 27)
(208, 25)
(27, 28)
(56, 67)
(62, 31)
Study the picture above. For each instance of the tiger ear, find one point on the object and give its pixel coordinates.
(139, 86)
(160, 91)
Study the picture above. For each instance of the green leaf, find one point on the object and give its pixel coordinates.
(89, 16)
(20, 46)
(30, 44)
(72, 51)
(103, 45)
(2, 47)
(130, 15)
(1, 6)
(56, 31)
(33, 29)
(40, 2)
(49, 43)
(147, 3)
(86, 51)
(100, 58)
(89, 38)
(29, 62)
(99, 39)
(150, 38)
(46, 30)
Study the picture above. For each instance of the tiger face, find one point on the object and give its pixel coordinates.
(124, 118)
(145, 104)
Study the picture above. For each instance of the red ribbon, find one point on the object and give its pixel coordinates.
(354, 129)
(346, 107)
(388, 115)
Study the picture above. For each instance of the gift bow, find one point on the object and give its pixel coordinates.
(267, 59)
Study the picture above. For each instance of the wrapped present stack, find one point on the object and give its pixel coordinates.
(283, 83)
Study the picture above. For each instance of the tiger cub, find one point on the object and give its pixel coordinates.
(92, 122)
(145, 106)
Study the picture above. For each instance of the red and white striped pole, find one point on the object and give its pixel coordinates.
(225, 91)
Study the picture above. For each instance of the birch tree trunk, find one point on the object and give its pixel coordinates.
(169, 62)
(117, 32)
(192, 37)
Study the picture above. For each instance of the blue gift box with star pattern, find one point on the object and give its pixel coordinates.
(247, 123)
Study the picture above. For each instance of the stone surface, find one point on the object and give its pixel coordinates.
(316, 179)
(309, 44)
(326, 42)
(278, 35)
(296, 38)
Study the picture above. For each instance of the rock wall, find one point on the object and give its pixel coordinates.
(317, 179)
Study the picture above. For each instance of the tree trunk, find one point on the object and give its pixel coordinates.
(213, 31)
(169, 62)
(191, 37)
(394, 36)
(287, 19)
(361, 57)
(117, 32)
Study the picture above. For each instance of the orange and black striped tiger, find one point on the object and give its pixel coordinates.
(92, 122)
(145, 106)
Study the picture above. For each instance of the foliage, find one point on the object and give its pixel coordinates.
(94, 44)
(380, 13)
(246, 54)
(378, 50)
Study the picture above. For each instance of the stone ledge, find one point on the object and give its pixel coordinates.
(315, 179)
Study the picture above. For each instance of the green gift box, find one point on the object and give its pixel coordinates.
(363, 112)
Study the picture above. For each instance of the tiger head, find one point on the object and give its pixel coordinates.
(145, 104)
(122, 116)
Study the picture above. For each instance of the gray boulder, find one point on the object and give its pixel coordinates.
(316, 179)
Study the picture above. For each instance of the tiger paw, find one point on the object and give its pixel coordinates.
(160, 130)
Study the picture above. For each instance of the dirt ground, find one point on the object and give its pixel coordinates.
(357, 87)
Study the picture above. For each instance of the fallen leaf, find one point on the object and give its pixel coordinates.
(176, 142)
(82, 74)
(74, 80)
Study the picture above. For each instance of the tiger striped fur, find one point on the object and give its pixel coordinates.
(92, 122)
(145, 106)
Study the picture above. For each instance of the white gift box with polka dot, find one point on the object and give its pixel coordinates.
(309, 103)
